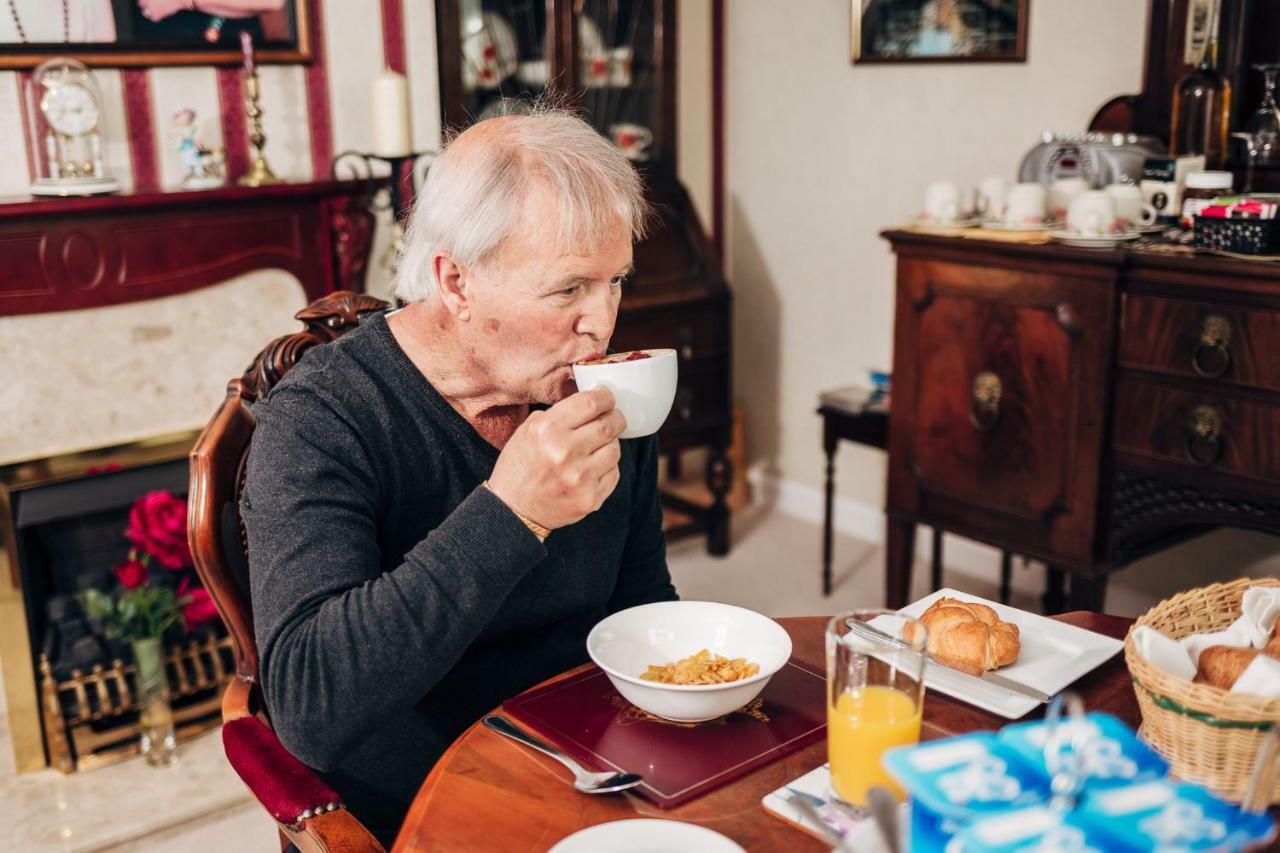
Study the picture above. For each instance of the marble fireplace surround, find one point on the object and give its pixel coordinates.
(78, 380)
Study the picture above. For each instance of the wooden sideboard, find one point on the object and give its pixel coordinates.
(1083, 407)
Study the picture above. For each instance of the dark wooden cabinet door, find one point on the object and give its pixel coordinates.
(997, 426)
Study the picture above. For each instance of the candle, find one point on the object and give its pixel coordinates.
(246, 47)
(390, 97)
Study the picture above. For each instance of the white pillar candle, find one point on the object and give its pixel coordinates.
(391, 135)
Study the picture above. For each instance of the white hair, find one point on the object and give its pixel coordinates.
(475, 192)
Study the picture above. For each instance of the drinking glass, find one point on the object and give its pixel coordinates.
(875, 695)
(1264, 124)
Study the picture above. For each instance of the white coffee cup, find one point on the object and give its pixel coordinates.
(990, 199)
(595, 70)
(633, 139)
(1024, 205)
(1131, 207)
(620, 66)
(943, 204)
(643, 390)
(1093, 214)
(1061, 193)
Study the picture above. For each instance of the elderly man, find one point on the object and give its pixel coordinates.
(436, 516)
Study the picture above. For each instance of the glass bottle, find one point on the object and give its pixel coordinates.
(1202, 107)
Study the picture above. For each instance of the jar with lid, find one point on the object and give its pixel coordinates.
(1202, 188)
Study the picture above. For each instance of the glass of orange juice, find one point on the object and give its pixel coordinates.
(875, 695)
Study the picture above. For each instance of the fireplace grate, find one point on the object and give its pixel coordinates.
(91, 718)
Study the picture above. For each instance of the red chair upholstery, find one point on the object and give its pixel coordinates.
(307, 811)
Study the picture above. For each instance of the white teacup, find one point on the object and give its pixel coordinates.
(1131, 208)
(1061, 194)
(992, 193)
(943, 203)
(643, 389)
(1093, 214)
(595, 70)
(1024, 205)
(620, 66)
(633, 139)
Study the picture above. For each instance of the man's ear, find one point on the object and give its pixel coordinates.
(451, 286)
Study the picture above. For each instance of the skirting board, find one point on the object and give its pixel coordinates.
(866, 522)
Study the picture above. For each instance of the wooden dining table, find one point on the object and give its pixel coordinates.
(490, 793)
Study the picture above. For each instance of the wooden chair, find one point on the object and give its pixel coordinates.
(306, 810)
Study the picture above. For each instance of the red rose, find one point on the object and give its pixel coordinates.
(199, 607)
(158, 525)
(131, 573)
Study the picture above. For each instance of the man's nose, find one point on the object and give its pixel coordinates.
(599, 314)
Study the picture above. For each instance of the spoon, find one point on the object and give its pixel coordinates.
(584, 780)
(884, 808)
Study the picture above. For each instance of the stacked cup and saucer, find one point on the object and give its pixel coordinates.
(1020, 207)
(1105, 218)
(945, 206)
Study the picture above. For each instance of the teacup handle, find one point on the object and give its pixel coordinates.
(1147, 215)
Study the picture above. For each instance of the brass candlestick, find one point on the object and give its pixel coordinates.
(259, 172)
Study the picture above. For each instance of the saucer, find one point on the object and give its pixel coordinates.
(963, 222)
(995, 225)
(1149, 229)
(1107, 241)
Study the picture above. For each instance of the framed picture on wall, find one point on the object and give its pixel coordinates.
(151, 32)
(939, 30)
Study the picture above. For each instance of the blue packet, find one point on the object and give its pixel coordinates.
(1110, 753)
(1166, 815)
(960, 779)
(1038, 829)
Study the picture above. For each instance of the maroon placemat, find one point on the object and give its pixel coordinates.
(590, 721)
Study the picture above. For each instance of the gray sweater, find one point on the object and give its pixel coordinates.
(394, 599)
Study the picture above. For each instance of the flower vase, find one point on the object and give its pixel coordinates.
(155, 715)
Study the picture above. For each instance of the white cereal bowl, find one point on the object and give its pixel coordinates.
(626, 643)
(643, 389)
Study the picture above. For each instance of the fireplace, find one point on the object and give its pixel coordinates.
(64, 529)
(121, 320)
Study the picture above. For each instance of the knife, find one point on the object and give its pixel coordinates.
(874, 633)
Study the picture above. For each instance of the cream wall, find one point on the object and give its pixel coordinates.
(823, 154)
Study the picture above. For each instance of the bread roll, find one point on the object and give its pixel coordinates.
(1222, 665)
(1273, 647)
(969, 637)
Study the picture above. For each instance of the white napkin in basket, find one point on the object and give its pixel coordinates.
(1259, 609)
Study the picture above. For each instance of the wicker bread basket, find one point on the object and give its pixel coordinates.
(1208, 735)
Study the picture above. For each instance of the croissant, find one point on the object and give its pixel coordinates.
(1222, 665)
(969, 637)
(1273, 647)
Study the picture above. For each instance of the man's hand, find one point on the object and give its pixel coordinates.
(562, 464)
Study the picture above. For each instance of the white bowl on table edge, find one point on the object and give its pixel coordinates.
(627, 642)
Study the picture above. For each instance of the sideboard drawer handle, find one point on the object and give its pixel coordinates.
(684, 342)
(684, 403)
(984, 412)
(1211, 357)
(1203, 442)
